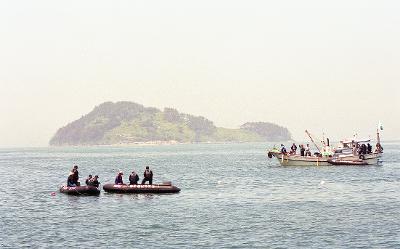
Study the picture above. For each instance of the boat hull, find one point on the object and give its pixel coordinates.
(367, 159)
(297, 160)
(139, 188)
(80, 190)
(349, 163)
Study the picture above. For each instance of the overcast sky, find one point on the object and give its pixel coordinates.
(331, 66)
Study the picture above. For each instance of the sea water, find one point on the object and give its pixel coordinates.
(233, 196)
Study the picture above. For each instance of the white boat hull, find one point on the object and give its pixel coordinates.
(370, 159)
(297, 160)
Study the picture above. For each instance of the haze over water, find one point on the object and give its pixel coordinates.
(232, 196)
(323, 66)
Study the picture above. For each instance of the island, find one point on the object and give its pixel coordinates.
(131, 123)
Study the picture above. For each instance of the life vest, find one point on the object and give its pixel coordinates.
(118, 179)
(133, 177)
(147, 173)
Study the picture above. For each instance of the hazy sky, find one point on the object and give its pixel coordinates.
(330, 66)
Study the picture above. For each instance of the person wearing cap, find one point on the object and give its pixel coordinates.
(94, 181)
(118, 178)
(133, 178)
(88, 179)
(70, 180)
(148, 176)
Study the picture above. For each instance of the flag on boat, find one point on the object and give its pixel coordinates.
(380, 126)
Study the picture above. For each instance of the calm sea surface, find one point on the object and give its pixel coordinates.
(232, 196)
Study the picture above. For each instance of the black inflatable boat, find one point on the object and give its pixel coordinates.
(80, 190)
(139, 188)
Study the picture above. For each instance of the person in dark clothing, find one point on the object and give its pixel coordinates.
(369, 148)
(293, 149)
(133, 178)
(308, 150)
(88, 179)
(70, 180)
(94, 181)
(283, 149)
(363, 149)
(118, 178)
(76, 175)
(148, 176)
(302, 150)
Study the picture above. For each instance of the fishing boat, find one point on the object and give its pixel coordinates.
(290, 159)
(346, 153)
(349, 152)
(298, 160)
(80, 190)
(165, 187)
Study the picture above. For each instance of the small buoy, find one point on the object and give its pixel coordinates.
(322, 182)
(219, 182)
(53, 193)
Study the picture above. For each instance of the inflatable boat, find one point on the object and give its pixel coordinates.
(141, 188)
(80, 190)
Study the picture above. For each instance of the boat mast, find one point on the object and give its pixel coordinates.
(378, 139)
(380, 127)
(312, 140)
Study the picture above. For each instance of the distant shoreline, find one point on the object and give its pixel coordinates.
(138, 144)
(153, 143)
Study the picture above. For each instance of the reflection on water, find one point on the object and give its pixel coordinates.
(232, 196)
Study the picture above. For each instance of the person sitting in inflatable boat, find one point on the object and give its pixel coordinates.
(88, 179)
(94, 181)
(118, 178)
(133, 178)
(70, 180)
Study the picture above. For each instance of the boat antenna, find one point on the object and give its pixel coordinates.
(312, 140)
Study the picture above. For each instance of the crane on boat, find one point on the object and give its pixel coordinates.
(312, 140)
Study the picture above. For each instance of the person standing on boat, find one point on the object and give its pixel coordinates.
(369, 148)
(354, 150)
(148, 176)
(76, 175)
(302, 150)
(293, 149)
(283, 149)
(363, 149)
(118, 178)
(133, 178)
(308, 150)
(379, 148)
